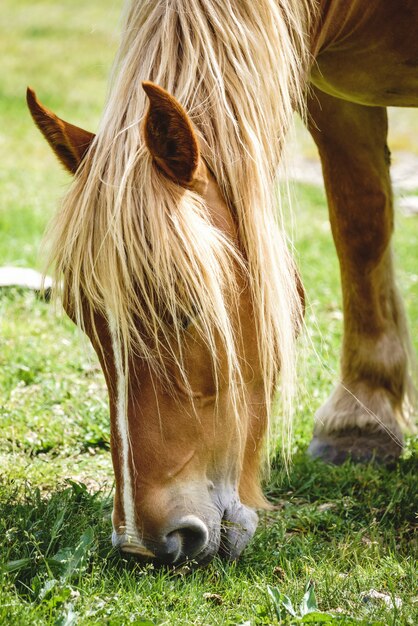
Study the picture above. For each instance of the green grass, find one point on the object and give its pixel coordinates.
(347, 529)
(63, 50)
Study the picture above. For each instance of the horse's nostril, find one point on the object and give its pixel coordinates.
(186, 539)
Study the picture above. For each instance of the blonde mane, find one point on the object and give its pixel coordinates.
(132, 245)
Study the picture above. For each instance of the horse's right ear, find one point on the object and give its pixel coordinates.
(169, 136)
(69, 142)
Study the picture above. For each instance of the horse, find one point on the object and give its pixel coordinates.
(173, 259)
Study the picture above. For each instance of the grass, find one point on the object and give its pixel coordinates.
(348, 529)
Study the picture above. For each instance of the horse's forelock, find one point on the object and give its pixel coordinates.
(237, 67)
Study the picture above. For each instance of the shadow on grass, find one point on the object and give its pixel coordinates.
(359, 492)
(317, 508)
(54, 536)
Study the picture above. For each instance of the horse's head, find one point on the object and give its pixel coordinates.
(180, 355)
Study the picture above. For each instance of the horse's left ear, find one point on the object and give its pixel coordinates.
(69, 142)
(170, 137)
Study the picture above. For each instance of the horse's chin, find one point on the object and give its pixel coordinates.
(229, 539)
(238, 526)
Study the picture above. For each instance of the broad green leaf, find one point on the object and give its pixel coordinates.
(80, 553)
(275, 599)
(47, 588)
(280, 602)
(309, 602)
(287, 603)
(61, 557)
(15, 566)
(68, 617)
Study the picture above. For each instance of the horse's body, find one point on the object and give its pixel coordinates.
(169, 263)
(367, 52)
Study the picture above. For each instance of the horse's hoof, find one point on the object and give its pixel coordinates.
(356, 445)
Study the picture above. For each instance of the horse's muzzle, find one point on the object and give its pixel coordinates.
(189, 539)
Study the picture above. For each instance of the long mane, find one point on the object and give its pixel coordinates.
(128, 242)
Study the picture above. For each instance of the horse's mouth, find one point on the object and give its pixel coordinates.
(238, 526)
(227, 537)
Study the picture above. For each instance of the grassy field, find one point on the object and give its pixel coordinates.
(347, 531)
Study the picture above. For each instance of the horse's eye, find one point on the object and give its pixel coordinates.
(185, 316)
(185, 322)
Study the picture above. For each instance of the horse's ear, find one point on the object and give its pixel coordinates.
(69, 142)
(169, 136)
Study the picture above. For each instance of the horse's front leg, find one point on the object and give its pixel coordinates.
(364, 415)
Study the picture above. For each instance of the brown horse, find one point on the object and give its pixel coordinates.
(175, 265)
